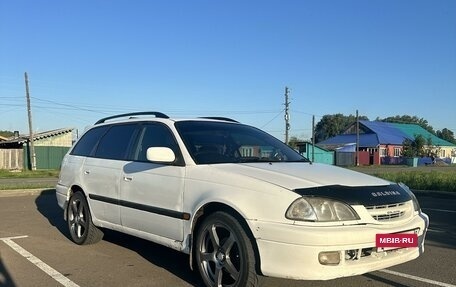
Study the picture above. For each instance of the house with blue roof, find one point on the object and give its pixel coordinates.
(382, 143)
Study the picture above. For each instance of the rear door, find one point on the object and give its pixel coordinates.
(102, 172)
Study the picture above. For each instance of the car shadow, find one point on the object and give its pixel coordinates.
(175, 262)
(5, 278)
(169, 259)
(46, 204)
(378, 278)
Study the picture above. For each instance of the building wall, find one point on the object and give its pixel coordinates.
(62, 140)
(446, 152)
(320, 155)
(390, 154)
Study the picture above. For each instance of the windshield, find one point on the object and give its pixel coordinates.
(222, 142)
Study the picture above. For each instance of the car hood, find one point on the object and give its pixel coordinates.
(296, 175)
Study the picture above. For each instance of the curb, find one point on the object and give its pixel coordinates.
(24, 192)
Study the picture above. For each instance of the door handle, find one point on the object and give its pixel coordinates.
(86, 172)
(127, 178)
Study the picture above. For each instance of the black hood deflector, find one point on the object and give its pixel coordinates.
(360, 195)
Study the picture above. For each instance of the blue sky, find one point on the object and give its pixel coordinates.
(90, 59)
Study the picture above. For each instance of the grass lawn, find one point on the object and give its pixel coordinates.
(28, 179)
(29, 174)
(442, 178)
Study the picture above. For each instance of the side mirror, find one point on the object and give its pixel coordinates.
(160, 154)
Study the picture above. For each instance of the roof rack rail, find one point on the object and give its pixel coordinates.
(156, 114)
(220, 119)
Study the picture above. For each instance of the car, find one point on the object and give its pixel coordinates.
(240, 202)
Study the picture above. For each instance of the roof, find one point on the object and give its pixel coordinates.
(387, 133)
(38, 136)
(309, 143)
(411, 130)
(365, 140)
(374, 133)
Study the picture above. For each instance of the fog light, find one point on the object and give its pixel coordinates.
(329, 258)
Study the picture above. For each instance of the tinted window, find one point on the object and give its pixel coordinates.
(154, 135)
(220, 142)
(115, 143)
(87, 144)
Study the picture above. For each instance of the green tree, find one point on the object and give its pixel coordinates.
(332, 125)
(447, 135)
(414, 148)
(293, 142)
(6, 134)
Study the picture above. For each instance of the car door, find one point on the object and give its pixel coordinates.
(151, 193)
(102, 173)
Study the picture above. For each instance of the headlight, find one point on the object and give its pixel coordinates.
(416, 204)
(320, 209)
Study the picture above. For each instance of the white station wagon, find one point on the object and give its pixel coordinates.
(240, 202)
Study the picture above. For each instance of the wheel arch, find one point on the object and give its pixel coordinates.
(211, 208)
(73, 189)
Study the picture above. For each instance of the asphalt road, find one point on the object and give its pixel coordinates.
(35, 251)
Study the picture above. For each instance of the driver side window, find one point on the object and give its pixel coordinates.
(154, 135)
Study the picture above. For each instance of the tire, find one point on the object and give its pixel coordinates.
(79, 220)
(224, 252)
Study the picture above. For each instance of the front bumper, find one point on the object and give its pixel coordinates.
(291, 251)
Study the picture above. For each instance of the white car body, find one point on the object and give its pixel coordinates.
(162, 203)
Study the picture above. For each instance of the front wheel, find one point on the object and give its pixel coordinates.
(80, 224)
(224, 252)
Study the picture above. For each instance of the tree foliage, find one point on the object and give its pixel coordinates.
(415, 148)
(447, 135)
(332, 125)
(293, 142)
(6, 134)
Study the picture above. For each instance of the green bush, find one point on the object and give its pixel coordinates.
(434, 180)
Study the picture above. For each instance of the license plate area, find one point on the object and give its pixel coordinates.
(396, 237)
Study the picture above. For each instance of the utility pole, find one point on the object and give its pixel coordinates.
(313, 138)
(29, 112)
(357, 138)
(287, 115)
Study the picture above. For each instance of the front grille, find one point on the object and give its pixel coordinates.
(389, 212)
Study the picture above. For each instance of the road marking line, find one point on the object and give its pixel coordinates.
(417, 278)
(441, 210)
(14, 237)
(38, 263)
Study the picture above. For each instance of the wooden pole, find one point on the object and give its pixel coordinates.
(32, 155)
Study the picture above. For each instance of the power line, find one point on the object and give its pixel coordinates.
(272, 119)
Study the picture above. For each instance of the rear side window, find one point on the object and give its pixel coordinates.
(116, 142)
(87, 144)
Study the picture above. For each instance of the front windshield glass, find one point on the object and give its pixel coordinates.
(221, 142)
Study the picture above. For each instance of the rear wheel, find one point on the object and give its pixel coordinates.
(80, 224)
(224, 252)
